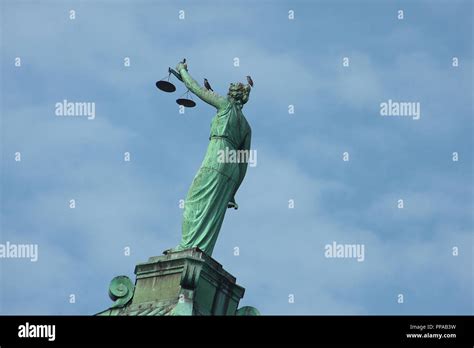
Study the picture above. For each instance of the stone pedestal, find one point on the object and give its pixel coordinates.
(185, 282)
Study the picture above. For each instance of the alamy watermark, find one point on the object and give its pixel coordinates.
(401, 109)
(19, 251)
(73, 109)
(28, 330)
(237, 156)
(335, 250)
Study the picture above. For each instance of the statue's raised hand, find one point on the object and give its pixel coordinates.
(181, 65)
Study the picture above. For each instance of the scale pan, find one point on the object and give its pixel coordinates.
(165, 86)
(186, 102)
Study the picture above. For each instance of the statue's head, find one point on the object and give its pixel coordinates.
(239, 92)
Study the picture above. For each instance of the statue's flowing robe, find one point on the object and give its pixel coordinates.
(218, 178)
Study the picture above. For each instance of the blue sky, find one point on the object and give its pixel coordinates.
(136, 204)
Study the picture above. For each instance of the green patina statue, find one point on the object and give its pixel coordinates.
(187, 280)
(217, 181)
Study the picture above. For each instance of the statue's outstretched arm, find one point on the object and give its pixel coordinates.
(205, 95)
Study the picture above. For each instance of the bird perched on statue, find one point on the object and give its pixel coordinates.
(207, 85)
(250, 81)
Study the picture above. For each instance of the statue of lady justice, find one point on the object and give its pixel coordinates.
(216, 182)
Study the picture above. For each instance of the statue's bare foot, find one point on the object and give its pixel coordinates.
(172, 250)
